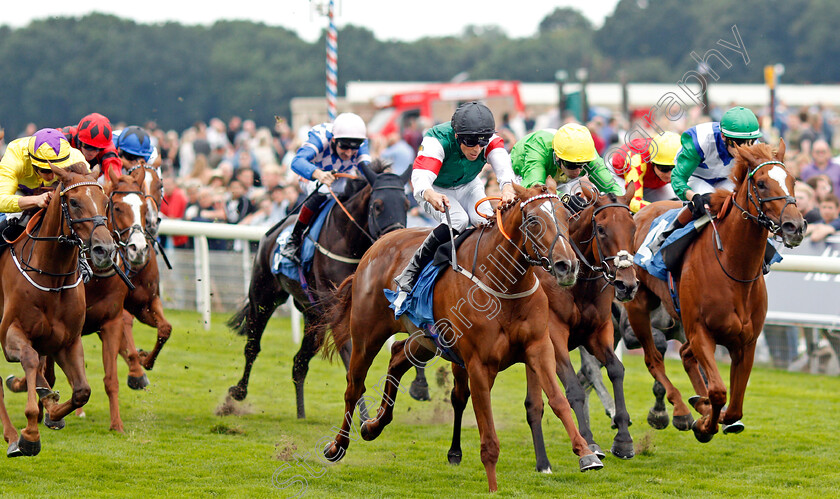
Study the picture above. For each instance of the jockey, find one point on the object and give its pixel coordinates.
(704, 162)
(445, 175)
(331, 147)
(92, 136)
(562, 154)
(133, 146)
(646, 165)
(26, 166)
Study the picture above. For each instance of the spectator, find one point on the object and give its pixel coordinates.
(174, 205)
(808, 135)
(399, 153)
(822, 186)
(829, 211)
(208, 209)
(823, 164)
(238, 206)
(806, 201)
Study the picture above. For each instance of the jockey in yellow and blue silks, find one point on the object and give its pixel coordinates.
(562, 154)
(705, 161)
(340, 146)
(445, 175)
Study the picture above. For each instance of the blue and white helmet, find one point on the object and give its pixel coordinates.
(135, 141)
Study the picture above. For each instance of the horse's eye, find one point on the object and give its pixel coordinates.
(601, 231)
(761, 185)
(74, 204)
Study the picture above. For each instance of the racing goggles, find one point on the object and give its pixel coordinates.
(349, 144)
(472, 140)
(568, 164)
(663, 168)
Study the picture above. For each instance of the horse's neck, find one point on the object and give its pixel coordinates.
(49, 255)
(351, 237)
(504, 263)
(743, 239)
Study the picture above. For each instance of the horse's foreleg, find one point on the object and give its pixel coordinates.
(590, 371)
(703, 348)
(152, 315)
(459, 396)
(137, 379)
(692, 368)
(112, 335)
(401, 361)
(533, 414)
(739, 375)
(30, 438)
(300, 365)
(71, 360)
(574, 391)
(638, 313)
(601, 345)
(538, 356)
(481, 382)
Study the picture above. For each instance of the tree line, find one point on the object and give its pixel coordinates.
(57, 70)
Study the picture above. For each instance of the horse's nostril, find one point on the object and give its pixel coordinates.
(562, 267)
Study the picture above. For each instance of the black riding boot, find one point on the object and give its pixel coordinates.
(424, 254)
(292, 246)
(681, 220)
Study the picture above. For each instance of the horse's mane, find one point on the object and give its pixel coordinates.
(761, 152)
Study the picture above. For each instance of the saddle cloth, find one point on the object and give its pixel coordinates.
(281, 265)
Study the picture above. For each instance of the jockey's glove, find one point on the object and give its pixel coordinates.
(698, 204)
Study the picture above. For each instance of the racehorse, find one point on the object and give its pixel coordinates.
(105, 293)
(43, 305)
(380, 207)
(487, 329)
(720, 287)
(580, 316)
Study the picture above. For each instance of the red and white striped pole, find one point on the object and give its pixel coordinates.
(332, 63)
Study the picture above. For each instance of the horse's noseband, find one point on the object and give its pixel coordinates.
(757, 201)
(544, 261)
(65, 211)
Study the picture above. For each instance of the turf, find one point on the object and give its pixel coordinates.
(175, 444)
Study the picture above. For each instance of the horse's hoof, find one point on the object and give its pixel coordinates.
(734, 428)
(138, 382)
(597, 450)
(590, 462)
(238, 393)
(684, 423)
(419, 390)
(10, 380)
(53, 425)
(701, 437)
(623, 450)
(545, 468)
(692, 401)
(333, 452)
(367, 433)
(454, 457)
(46, 393)
(23, 447)
(658, 420)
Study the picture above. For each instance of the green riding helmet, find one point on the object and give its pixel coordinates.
(740, 123)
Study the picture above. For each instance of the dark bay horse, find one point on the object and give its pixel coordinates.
(378, 208)
(499, 320)
(43, 302)
(580, 316)
(720, 287)
(106, 291)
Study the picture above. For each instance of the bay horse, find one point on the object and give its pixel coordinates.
(488, 329)
(580, 316)
(720, 287)
(378, 208)
(43, 304)
(105, 292)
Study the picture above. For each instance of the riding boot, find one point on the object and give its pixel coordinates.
(424, 254)
(681, 220)
(292, 246)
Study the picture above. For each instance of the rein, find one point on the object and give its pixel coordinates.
(622, 259)
(349, 176)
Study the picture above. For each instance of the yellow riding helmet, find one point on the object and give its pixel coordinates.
(48, 146)
(664, 148)
(573, 143)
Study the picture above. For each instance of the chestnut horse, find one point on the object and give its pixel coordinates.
(580, 317)
(720, 287)
(105, 293)
(43, 304)
(378, 208)
(487, 328)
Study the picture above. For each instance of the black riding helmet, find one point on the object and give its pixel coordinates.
(473, 118)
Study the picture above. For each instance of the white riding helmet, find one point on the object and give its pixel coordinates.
(349, 126)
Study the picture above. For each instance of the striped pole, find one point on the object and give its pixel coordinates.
(332, 63)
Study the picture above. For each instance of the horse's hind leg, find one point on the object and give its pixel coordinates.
(152, 315)
(399, 364)
(111, 335)
(19, 348)
(533, 414)
(9, 431)
(419, 389)
(538, 356)
(459, 396)
(300, 366)
(591, 379)
(257, 312)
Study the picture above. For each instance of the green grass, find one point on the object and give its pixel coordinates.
(174, 444)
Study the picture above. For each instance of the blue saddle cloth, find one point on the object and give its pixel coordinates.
(282, 265)
(419, 305)
(656, 265)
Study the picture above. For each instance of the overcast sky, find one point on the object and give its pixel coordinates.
(406, 20)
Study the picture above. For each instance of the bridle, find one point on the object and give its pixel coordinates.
(72, 239)
(120, 234)
(757, 201)
(609, 265)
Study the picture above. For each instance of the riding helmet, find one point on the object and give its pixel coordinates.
(573, 143)
(135, 141)
(473, 118)
(740, 123)
(48, 146)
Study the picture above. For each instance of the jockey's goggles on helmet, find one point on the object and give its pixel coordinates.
(130, 157)
(350, 144)
(741, 142)
(567, 164)
(42, 171)
(663, 168)
(472, 140)
(90, 147)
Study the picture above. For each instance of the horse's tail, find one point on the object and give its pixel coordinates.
(238, 323)
(337, 320)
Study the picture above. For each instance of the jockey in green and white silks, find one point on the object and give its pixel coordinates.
(446, 175)
(705, 161)
(562, 154)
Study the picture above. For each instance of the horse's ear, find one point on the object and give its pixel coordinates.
(589, 191)
(745, 154)
(780, 153)
(627, 198)
(406, 175)
(94, 172)
(519, 190)
(551, 184)
(139, 175)
(369, 174)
